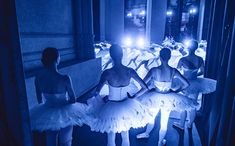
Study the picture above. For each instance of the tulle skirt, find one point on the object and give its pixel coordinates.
(201, 85)
(117, 116)
(47, 117)
(166, 101)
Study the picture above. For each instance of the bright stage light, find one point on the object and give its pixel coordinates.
(193, 11)
(187, 43)
(140, 42)
(142, 13)
(127, 41)
(169, 13)
(129, 14)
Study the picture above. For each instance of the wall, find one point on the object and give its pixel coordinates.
(84, 77)
(44, 23)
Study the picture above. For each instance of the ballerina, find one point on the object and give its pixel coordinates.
(58, 113)
(192, 66)
(164, 97)
(119, 113)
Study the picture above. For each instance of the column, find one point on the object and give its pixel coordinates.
(102, 20)
(200, 20)
(14, 106)
(114, 20)
(155, 30)
(83, 27)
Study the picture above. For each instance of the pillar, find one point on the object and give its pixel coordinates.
(14, 106)
(114, 20)
(200, 19)
(156, 19)
(83, 29)
(102, 20)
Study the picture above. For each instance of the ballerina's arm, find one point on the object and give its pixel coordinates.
(101, 83)
(182, 79)
(202, 67)
(70, 90)
(136, 77)
(38, 90)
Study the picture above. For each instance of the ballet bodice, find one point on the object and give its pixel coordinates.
(55, 99)
(162, 86)
(117, 93)
(190, 73)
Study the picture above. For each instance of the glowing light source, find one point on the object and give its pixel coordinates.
(127, 41)
(129, 14)
(169, 13)
(187, 43)
(140, 42)
(193, 11)
(142, 12)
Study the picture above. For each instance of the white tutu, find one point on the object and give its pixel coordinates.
(57, 115)
(200, 85)
(117, 116)
(166, 101)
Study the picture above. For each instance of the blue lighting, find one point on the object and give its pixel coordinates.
(129, 14)
(193, 11)
(169, 13)
(127, 41)
(187, 42)
(142, 13)
(140, 42)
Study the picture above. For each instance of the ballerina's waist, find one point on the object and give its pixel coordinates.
(190, 77)
(111, 100)
(56, 100)
(162, 86)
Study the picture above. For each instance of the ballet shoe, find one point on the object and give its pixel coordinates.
(178, 125)
(189, 125)
(162, 143)
(142, 135)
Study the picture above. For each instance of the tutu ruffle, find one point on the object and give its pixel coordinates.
(46, 117)
(117, 116)
(166, 101)
(201, 85)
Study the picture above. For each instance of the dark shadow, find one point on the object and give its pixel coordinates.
(181, 135)
(190, 136)
(39, 138)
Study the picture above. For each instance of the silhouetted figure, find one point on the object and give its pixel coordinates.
(119, 113)
(59, 112)
(164, 97)
(192, 66)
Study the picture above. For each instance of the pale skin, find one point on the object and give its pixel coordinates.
(50, 81)
(118, 76)
(163, 73)
(196, 63)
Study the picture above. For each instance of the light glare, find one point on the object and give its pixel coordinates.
(129, 14)
(187, 43)
(140, 42)
(142, 12)
(169, 13)
(193, 11)
(127, 41)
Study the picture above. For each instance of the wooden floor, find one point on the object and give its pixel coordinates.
(175, 137)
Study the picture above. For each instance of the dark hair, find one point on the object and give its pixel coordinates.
(194, 45)
(165, 54)
(116, 52)
(49, 56)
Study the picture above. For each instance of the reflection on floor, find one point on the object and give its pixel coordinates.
(175, 137)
